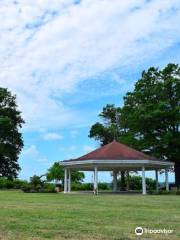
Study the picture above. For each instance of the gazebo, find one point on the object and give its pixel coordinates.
(115, 157)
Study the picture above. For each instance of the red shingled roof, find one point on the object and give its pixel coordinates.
(115, 151)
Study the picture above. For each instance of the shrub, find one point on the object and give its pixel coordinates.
(160, 192)
(36, 182)
(46, 190)
(38, 186)
(163, 192)
(26, 187)
(166, 192)
(18, 183)
(151, 191)
(49, 186)
(89, 186)
(11, 184)
(6, 183)
(81, 186)
(135, 183)
(103, 186)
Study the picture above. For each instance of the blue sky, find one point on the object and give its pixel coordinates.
(66, 59)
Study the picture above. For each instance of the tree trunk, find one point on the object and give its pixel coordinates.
(127, 181)
(122, 187)
(177, 174)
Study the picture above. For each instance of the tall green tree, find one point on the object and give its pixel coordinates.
(11, 142)
(150, 118)
(109, 129)
(151, 114)
(56, 173)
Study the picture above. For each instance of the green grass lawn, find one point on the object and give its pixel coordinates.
(59, 216)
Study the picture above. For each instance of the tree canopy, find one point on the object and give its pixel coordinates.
(109, 129)
(150, 118)
(11, 142)
(56, 173)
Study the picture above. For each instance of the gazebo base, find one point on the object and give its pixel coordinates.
(106, 192)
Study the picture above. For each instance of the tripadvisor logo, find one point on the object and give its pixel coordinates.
(139, 231)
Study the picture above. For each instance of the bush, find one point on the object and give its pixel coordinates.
(36, 185)
(6, 183)
(18, 183)
(36, 182)
(161, 192)
(11, 184)
(135, 183)
(103, 186)
(26, 187)
(47, 188)
(151, 191)
(164, 192)
(81, 186)
(88, 186)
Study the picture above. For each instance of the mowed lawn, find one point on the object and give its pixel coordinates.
(84, 216)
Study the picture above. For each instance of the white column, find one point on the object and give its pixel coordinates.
(157, 184)
(95, 180)
(143, 181)
(114, 181)
(166, 179)
(69, 180)
(65, 180)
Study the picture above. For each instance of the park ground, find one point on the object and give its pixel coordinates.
(84, 216)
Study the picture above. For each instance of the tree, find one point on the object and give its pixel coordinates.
(76, 176)
(107, 131)
(11, 142)
(150, 118)
(36, 182)
(151, 114)
(56, 173)
(135, 182)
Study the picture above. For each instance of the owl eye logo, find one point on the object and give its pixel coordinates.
(139, 231)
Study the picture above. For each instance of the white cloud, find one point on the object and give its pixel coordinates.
(68, 149)
(32, 162)
(33, 154)
(74, 133)
(43, 160)
(69, 152)
(52, 136)
(74, 151)
(31, 151)
(48, 47)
